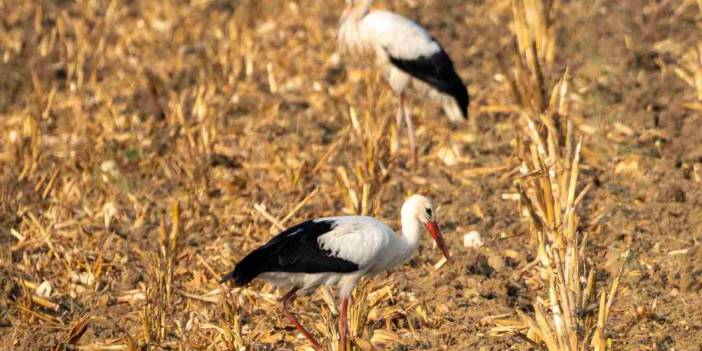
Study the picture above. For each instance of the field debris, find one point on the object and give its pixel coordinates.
(147, 146)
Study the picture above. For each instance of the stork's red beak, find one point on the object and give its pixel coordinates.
(435, 232)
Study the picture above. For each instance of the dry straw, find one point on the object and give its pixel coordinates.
(684, 58)
(573, 313)
(690, 69)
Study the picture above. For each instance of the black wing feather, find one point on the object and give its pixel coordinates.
(295, 250)
(436, 70)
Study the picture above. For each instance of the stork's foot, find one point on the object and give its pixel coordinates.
(343, 324)
(284, 301)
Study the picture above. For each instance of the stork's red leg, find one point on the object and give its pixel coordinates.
(399, 119)
(410, 132)
(400, 112)
(343, 323)
(289, 297)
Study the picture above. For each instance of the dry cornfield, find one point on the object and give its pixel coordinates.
(146, 146)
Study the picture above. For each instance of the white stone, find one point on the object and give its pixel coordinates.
(473, 240)
(44, 289)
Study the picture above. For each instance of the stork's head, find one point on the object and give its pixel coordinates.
(420, 208)
(356, 8)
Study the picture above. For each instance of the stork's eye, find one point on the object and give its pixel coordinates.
(429, 211)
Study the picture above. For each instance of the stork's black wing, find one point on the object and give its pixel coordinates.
(295, 250)
(438, 72)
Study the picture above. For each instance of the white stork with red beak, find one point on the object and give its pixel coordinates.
(337, 251)
(408, 56)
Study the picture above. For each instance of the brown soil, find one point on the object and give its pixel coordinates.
(152, 103)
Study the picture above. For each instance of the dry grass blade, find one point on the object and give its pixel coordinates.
(690, 68)
(75, 333)
(172, 246)
(358, 315)
(159, 287)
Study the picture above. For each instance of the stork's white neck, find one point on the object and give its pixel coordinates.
(411, 230)
(350, 38)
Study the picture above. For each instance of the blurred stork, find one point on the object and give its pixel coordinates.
(408, 56)
(336, 251)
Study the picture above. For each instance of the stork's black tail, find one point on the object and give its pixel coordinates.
(460, 94)
(437, 71)
(248, 269)
(457, 107)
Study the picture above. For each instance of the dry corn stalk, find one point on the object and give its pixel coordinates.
(549, 199)
(533, 24)
(535, 45)
(358, 315)
(690, 69)
(370, 131)
(160, 287)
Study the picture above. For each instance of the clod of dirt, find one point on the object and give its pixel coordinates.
(7, 286)
(688, 283)
(631, 165)
(672, 194)
(515, 256)
(493, 289)
(497, 263)
(690, 276)
(613, 261)
(479, 265)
